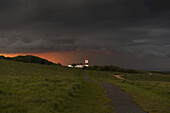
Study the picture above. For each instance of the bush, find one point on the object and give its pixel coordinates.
(114, 68)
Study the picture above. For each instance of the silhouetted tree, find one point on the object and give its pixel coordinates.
(73, 64)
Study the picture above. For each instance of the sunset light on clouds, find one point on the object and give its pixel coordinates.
(132, 34)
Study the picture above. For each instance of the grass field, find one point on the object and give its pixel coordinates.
(34, 88)
(151, 92)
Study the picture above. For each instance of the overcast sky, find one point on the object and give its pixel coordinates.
(133, 31)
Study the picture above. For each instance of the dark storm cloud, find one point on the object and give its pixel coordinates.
(135, 26)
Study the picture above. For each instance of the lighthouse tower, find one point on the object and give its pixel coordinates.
(86, 62)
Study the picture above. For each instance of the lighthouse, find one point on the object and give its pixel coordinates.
(86, 62)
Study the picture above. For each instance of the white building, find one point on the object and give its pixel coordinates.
(70, 66)
(86, 64)
(79, 66)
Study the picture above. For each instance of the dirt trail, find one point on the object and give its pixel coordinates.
(121, 102)
(119, 76)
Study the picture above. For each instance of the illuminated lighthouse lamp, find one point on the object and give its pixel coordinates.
(86, 62)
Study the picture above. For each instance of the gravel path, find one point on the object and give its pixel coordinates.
(121, 102)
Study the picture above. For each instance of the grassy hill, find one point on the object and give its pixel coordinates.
(151, 92)
(29, 59)
(34, 88)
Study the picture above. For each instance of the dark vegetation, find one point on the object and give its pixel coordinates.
(29, 59)
(114, 68)
(160, 72)
(122, 70)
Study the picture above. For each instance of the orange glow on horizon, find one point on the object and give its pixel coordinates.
(56, 57)
(64, 58)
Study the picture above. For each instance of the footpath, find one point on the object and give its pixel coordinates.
(121, 102)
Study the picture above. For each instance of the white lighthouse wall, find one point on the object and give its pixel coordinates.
(87, 65)
(86, 61)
